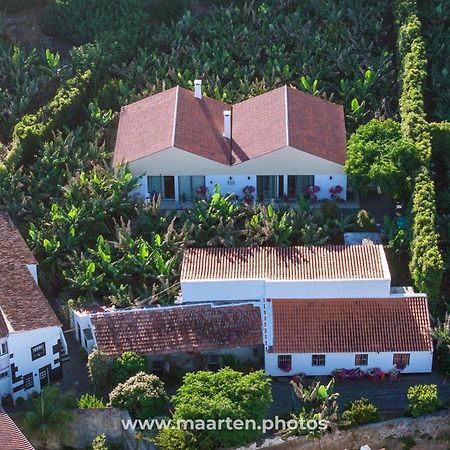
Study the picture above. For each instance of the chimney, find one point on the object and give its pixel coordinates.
(198, 88)
(227, 124)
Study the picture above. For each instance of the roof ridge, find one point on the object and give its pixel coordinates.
(175, 115)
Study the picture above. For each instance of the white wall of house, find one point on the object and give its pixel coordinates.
(325, 182)
(230, 184)
(33, 270)
(216, 290)
(79, 321)
(175, 162)
(420, 362)
(19, 345)
(5, 382)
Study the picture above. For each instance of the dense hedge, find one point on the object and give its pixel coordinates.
(19, 5)
(426, 264)
(63, 110)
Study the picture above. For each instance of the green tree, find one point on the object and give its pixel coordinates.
(221, 395)
(143, 395)
(99, 366)
(359, 412)
(378, 155)
(48, 412)
(127, 365)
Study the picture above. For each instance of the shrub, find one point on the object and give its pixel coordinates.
(229, 360)
(226, 393)
(143, 395)
(360, 411)
(365, 221)
(99, 443)
(99, 367)
(88, 401)
(423, 399)
(176, 439)
(378, 155)
(128, 365)
(63, 110)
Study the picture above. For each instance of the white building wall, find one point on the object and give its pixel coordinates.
(217, 290)
(5, 383)
(80, 320)
(20, 344)
(420, 362)
(325, 182)
(32, 268)
(214, 290)
(230, 184)
(327, 288)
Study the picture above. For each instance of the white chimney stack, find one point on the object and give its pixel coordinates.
(227, 124)
(198, 88)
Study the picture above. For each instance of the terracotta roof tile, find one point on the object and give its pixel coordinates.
(22, 302)
(351, 325)
(178, 329)
(316, 126)
(260, 125)
(11, 438)
(290, 263)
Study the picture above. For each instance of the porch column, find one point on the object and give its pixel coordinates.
(285, 185)
(177, 188)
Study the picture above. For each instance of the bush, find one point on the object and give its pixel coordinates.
(378, 155)
(365, 221)
(128, 365)
(63, 110)
(176, 439)
(99, 367)
(359, 412)
(229, 360)
(226, 393)
(88, 401)
(143, 395)
(99, 443)
(423, 399)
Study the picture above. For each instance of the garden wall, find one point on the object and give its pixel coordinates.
(375, 435)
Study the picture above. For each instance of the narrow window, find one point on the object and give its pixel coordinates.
(318, 360)
(28, 381)
(361, 359)
(400, 359)
(38, 351)
(214, 362)
(285, 362)
(4, 374)
(4, 348)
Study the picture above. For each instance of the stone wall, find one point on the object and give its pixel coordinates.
(377, 435)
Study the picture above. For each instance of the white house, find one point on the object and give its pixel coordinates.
(31, 338)
(278, 143)
(323, 308)
(315, 309)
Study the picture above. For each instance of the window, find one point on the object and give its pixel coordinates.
(157, 366)
(267, 187)
(318, 360)
(285, 362)
(154, 185)
(214, 362)
(28, 381)
(400, 359)
(189, 186)
(38, 351)
(361, 359)
(4, 374)
(3, 348)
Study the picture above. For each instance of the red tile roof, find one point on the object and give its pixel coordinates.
(290, 263)
(398, 324)
(178, 329)
(270, 121)
(21, 301)
(11, 438)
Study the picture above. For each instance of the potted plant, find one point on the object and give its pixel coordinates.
(311, 192)
(248, 194)
(202, 191)
(285, 366)
(335, 192)
(394, 374)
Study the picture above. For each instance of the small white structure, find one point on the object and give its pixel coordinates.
(279, 143)
(31, 339)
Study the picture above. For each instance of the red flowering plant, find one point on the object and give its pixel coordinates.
(339, 374)
(335, 191)
(285, 366)
(375, 373)
(311, 192)
(248, 194)
(394, 374)
(299, 378)
(355, 374)
(201, 191)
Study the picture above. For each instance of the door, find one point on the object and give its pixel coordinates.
(44, 376)
(169, 187)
